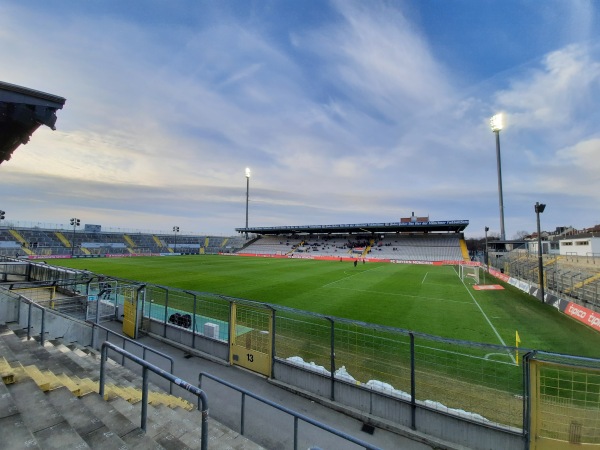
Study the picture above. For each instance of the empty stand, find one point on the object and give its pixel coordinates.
(48, 399)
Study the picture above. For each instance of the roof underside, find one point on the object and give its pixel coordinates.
(452, 226)
(22, 111)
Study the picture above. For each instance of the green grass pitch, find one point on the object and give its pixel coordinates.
(423, 298)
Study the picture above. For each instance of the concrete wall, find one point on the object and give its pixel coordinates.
(442, 425)
(460, 431)
(9, 307)
(183, 336)
(303, 379)
(56, 325)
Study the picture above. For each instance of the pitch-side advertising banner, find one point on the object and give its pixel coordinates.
(584, 315)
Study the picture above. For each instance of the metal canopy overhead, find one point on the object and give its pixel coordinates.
(22, 111)
(451, 226)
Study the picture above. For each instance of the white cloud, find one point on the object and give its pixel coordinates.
(356, 122)
(555, 94)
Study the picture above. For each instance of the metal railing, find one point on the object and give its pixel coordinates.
(294, 414)
(42, 328)
(144, 348)
(146, 366)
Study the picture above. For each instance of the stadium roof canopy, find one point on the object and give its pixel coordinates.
(453, 226)
(22, 111)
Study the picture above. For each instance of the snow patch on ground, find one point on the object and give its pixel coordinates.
(385, 388)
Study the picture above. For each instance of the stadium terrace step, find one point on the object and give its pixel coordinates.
(130, 433)
(14, 432)
(46, 424)
(93, 431)
(49, 400)
(185, 428)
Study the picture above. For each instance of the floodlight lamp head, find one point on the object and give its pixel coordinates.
(497, 122)
(539, 207)
(487, 229)
(247, 172)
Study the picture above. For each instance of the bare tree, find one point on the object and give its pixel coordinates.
(520, 235)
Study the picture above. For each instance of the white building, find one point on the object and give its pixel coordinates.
(580, 245)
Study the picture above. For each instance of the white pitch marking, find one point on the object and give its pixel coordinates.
(489, 322)
(492, 354)
(420, 297)
(426, 273)
(350, 276)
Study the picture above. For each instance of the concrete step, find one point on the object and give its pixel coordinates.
(93, 431)
(48, 380)
(58, 418)
(133, 436)
(14, 432)
(186, 426)
(48, 427)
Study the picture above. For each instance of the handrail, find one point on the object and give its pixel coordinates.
(297, 416)
(144, 348)
(202, 398)
(43, 325)
(42, 331)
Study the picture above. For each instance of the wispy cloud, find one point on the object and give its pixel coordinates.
(350, 118)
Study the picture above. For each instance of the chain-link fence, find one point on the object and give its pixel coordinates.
(565, 399)
(479, 382)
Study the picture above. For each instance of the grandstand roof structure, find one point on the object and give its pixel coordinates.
(450, 226)
(22, 111)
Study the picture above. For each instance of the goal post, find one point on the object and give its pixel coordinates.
(469, 272)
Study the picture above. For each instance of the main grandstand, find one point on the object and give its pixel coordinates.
(411, 239)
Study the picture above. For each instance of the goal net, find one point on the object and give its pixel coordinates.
(469, 273)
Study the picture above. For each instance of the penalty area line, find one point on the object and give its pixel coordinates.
(350, 276)
(489, 322)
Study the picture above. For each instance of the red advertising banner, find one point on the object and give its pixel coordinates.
(584, 315)
(500, 275)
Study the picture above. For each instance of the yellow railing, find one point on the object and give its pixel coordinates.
(61, 237)
(464, 250)
(21, 239)
(129, 241)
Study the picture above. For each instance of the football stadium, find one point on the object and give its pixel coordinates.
(370, 335)
(395, 322)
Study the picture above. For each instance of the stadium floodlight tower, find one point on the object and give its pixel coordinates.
(487, 261)
(75, 223)
(497, 123)
(539, 208)
(247, 197)
(175, 230)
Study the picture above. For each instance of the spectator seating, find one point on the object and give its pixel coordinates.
(424, 247)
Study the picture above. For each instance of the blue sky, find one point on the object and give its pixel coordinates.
(345, 111)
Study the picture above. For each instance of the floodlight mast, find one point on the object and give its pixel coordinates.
(497, 123)
(487, 262)
(247, 197)
(175, 231)
(75, 222)
(539, 208)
